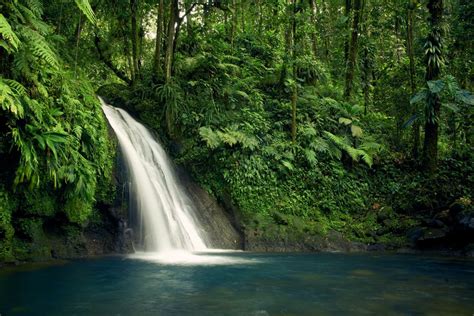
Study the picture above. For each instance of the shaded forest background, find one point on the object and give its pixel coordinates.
(307, 116)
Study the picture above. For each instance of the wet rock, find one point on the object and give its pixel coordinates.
(456, 208)
(469, 250)
(220, 225)
(435, 223)
(444, 216)
(414, 234)
(467, 222)
(376, 247)
(432, 234)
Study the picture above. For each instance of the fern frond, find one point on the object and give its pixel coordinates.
(86, 8)
(40, 47)
(35, 6)
(10, 91)
(354, 153)
(210, 137)
(367, 159)
(32, 16)
(19, 89)
(11, 39)
(310, 156)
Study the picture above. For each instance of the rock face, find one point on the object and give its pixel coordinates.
(450, 230)
(219, 225)
(332, 242)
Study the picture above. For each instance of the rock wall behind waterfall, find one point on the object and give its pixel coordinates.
(219, 224)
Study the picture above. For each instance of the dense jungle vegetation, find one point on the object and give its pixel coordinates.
(308, 116)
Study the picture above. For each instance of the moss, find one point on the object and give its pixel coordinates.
(40, 203)
(77, 210)
(7, 206)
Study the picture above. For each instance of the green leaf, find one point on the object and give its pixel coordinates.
(436, 86)
(356, 131)
(210, 137)
(310, 156)
(450, 106)
(288, 165)
(410, 121)
(345, 121)
(465, 97)
(420, 96)
(9, 36)
(86, 8)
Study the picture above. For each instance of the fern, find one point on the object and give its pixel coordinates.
(32, 14)
(35, 6)
(211, 138)
(85, 7)
(10, 39)
(230, 136)
(355, 153)
(10, 92)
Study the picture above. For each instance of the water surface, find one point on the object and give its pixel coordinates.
(244, 284)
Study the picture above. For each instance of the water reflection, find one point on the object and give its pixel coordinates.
(232, 284)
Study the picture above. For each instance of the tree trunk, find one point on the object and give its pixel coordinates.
(366, 65)
(294, 95)
(135, 36)
(80, 25)
(234, 22)
(170, 39)
(119, 73)
(434, 60)
(242, 15)
(367, 57)
(347, 13)
(189, 19)
(411, 57)
(157, 69)
(351, 61)
(314, 37)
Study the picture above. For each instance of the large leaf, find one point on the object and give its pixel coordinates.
(450, 106)
(85, 7)
(465, 97)
(410, 121)
(356, 131)
(418, 97)
(436, 86)
(345, 121)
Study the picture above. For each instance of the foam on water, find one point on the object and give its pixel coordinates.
(178, 257)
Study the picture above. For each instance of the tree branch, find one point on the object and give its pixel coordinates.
(119, 73)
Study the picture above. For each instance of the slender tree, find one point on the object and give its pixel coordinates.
(351, 59)
(294, 94)
(135, 37)
(347, 14)
(313, 26)
(157, 68)
(411, 56)
(173, 18)
(434, 63)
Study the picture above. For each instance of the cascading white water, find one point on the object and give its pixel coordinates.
(166, 213)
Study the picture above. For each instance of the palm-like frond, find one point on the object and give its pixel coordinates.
(86, 8)
(9, 40)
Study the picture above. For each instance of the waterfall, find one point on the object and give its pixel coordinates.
(165, 213)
